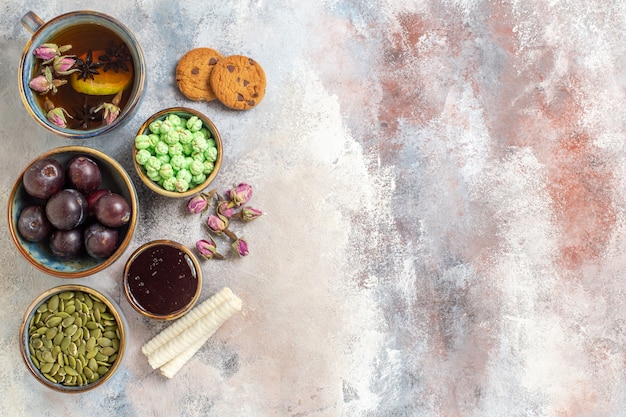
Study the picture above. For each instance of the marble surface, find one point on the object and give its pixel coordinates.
(445, 191)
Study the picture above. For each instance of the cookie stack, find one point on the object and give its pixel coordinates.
(237, 81)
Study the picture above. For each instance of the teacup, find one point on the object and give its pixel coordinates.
(93, 113)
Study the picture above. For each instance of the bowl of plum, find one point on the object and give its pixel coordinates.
(72, 211)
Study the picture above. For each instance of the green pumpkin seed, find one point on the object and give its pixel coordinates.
(69, 331)
(58, 339)
(109, 334)
(93, 365)
(69, 309)
(69, 320)
(35, 361)
(50, 378)
(46, 367)
(104, 341)
(92, 353)
(88, 373)
(37, 343)
(51, 333)
(65, 343)
(72, 349)
(55, 369)
(107, 351)
(53, 321)
(91, 325)
(42, 308)
(47, 343)
(77, 335)
(47, 356)
(53, 303)
(66, 295)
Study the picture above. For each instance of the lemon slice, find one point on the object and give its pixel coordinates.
(104, 83)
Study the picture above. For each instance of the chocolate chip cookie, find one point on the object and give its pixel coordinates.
(238, 82)
(193, 72)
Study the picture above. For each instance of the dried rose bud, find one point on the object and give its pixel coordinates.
(225, 209)
(197, 204)
(208, 249)
(217, 223)
(111, 111)
(250, 213)
(44, 82)
(240, 246)
(40, 84)
(48, 51)
(57, 116)
(63, 65)
(240, 194)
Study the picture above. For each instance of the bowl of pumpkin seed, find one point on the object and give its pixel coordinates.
(73, 338)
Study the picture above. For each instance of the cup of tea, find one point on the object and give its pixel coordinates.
(81, 74)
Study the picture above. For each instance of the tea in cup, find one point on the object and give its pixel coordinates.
(82, 73)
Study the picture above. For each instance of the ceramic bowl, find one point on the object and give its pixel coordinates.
(114, 178)
(162, 280)
(156, 184)
(62, 338)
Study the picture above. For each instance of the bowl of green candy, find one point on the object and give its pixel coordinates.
(72, 338)
(177, 152)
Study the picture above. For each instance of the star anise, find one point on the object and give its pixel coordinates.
(87, 68)
(85, 115)
(115, 57)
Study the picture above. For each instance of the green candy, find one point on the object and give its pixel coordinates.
(187, 149)
(161, 148)
(154, 139)
(185, 136)
(153, 163)
(171, 137)
(166, 126)
(211, 142)
(181, 185)
(210, 154)
(166, 171)
(155, 127)
(194, 123)
(169, 184)
(208, 167)
(142, 142)
(184, 174)
(142, 156)
(153, 174)
(175, 149)
(165, 158)
(175, 119)
(199, 144)
(177, 162)
(206, 133)
(198, 179)
(199, 156)
(196, 167)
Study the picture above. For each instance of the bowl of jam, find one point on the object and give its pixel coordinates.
(162, 279)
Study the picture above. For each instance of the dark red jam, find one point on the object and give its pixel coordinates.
(162, 280)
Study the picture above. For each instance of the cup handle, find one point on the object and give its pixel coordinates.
(32, 22)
